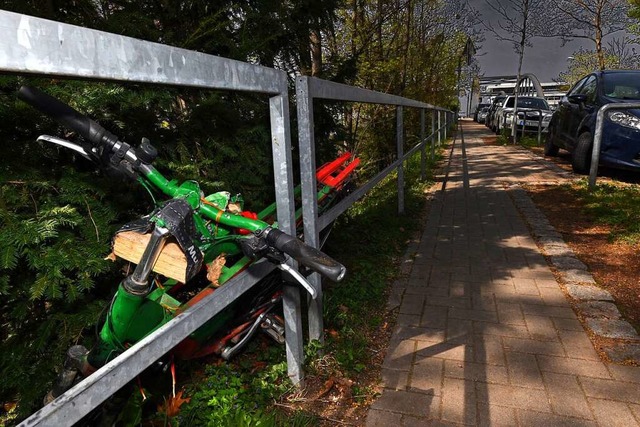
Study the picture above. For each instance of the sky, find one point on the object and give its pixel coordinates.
(546, 59)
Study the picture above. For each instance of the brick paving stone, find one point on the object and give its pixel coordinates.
(400, 355)
(567, 324)
(539, 419)
(405, 402)
(395, 379)
(426, 376)
(425, 290)
(625, 373)
(408, 319)
(613, 414)
(505, 330)
(554, 296)
(513, 397)
(496, 416)
(459, 401)
(566, 365)
(534, 346)
(488, 349)
(578, 345)
(541, 328)
(546, 282)
(412, 304)
(551, 311)
(566, 395)
(478, 372)
(467, 314)
(523, 370)
(455, 349)
(610, 390)
(525, 286)
(454, 302)
(377, 418)
(434, 316)
(402, 332)
(510, 313)
(459, 328)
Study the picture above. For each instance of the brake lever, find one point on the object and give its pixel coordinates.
(67, 144)
(300, 279)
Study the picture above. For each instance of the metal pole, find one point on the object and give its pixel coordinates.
(400, 148)
(439, 130)
(283, 175)
(308, 182)
(423, 151)
(432, 138)
(597, 138)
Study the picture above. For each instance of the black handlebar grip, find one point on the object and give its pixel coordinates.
(306, 255)
(67, 116)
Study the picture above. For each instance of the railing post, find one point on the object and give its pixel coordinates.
(432, 138)
(400, 148)
(439, 130)
(309, 200)
(423, 151)
(292, 307)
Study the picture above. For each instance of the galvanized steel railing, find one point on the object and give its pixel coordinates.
(308, 89)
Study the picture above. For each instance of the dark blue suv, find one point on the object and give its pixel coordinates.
(573, 123)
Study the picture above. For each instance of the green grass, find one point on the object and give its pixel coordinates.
(616, 205)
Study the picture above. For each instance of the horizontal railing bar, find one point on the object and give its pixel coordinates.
(325, 89)
(32, 45)
(329, 216)
(78, 401)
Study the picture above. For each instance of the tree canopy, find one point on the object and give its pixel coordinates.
(57, 216)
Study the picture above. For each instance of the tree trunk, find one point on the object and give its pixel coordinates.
(598, 25)
(316, 53)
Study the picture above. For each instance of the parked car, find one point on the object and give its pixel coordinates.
(479, 108)
(482, 114)
(530, 108)
(497, 102)
(573, 123)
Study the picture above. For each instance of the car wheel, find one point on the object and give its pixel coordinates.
(550, 148)
(581, 155)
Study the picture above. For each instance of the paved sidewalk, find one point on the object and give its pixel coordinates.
(485, 335)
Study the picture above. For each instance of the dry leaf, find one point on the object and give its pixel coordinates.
(110, 257)
(171, 406)
(328, 384)
(333, 333)
(214, 270)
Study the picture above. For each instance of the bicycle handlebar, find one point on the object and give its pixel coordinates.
(306, 255)
(99, 136)
(67, 116)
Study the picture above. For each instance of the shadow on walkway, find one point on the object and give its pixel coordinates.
(484, 334)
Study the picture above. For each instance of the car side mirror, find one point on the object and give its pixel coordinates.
(578, 98)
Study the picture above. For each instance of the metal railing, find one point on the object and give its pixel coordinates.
(597, 137)
(41, 47)
(310, 88)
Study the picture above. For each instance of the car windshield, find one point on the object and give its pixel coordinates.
(528, 102)
(622, 85)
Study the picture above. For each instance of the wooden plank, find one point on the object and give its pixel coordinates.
(172, 263)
